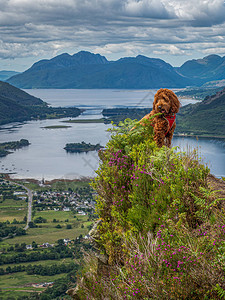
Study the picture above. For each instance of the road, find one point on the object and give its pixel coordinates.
(30, 200)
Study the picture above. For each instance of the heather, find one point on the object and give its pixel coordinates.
(161, 229)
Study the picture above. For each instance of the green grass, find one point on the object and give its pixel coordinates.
(40, 262)
(17, 284)
(59, 215)
(48, 232)
(13, 213)
(64, 185)
(15, 203)
(57, 185)
(13, 209)
(6, 294)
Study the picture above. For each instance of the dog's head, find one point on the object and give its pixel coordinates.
(165, 101)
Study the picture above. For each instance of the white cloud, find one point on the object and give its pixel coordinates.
(111, 27)
(147, 8)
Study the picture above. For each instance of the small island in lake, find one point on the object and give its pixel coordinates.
(4, 147)
(56, 127)
(82, 147)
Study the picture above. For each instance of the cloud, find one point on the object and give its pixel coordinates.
(45, 28)
(200, 13)
(148, 9)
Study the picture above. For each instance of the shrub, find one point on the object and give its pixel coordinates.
(161, 227)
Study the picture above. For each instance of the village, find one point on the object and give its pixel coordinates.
(81, 202)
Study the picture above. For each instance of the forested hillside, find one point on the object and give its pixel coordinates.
(17, 106)
(205, 118)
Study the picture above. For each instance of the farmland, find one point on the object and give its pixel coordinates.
(62, 215)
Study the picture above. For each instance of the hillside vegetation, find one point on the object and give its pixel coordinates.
(204, 118)
(161, 230)
(17, 106)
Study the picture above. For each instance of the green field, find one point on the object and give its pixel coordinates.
(19, 284)
(13, 209)
(40, 262)
(48, 233)
(57, 185)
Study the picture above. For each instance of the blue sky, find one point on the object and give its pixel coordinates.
(172, 30)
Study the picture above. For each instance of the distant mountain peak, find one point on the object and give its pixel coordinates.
(86, 57)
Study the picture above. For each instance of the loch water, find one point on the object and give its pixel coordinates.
(45, 156)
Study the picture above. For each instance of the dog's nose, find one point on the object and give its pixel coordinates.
(159, 106)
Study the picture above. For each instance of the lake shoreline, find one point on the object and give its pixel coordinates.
(47, 182)
(46, 158)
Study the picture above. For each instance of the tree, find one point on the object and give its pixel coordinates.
(60, 242)
(34, 245)
(32, 225)
(68, 226)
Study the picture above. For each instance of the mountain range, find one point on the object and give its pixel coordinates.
(87, 70)
(4, 75)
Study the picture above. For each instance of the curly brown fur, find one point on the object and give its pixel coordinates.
(167, 103)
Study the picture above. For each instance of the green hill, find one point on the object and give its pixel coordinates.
(160, 233)
(204, 118)
(17, 106)
(20, 97)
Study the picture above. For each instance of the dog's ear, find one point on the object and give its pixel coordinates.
(156, 97)
(175, 103)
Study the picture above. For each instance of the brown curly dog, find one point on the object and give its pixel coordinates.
(167, 103)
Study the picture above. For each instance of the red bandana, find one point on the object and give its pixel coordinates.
(171, 120)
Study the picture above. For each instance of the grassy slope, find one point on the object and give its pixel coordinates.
(162, 224)
(205, 118)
